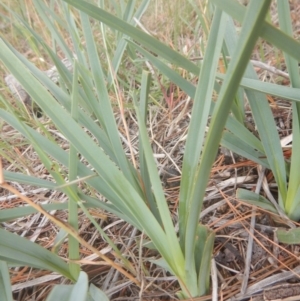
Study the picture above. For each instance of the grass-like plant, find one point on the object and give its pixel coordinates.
(286, 174)
(81, 109)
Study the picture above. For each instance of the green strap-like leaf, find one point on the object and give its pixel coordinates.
(264, 121)
(102, 108)
(268, 32)
(136, 34)
(292, 202)
(143, 106)
(199, 119)
(96, 294)
(19, 251)
(240, 131)
(255, 199)
(290, 237)
(5, 286)
(256, 12)
(113, 179)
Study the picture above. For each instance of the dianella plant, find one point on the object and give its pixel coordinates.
(81, 109)
(285, 173)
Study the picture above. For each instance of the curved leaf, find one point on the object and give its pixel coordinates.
(5, 286)
(18, 251)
